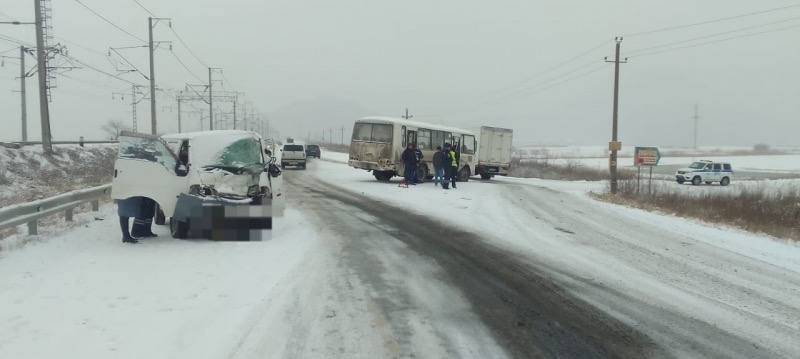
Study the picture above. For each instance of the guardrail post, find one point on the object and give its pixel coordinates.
(68, 215)
(33, 227)
(95, 205)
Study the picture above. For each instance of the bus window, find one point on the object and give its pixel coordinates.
(382, 133)
(437, 139)
(362, 132)
(468, 144)
(424, 139)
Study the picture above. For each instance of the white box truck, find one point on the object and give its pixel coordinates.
(494, 152)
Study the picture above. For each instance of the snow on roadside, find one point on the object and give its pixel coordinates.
(474, 202)
(85, 294)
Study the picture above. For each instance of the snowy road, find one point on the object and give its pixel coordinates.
(361, 269)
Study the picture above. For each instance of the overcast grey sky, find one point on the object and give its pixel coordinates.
(310, 65)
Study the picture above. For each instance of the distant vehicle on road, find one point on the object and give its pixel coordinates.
(494, 152)
(706, 171)
(378, 143)
(294, 154)
(313, 151)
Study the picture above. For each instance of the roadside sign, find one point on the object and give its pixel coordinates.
(614, 146)
(646, 156)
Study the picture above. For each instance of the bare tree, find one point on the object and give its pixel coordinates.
(114, 127)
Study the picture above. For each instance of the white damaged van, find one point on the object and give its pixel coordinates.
(211, 184)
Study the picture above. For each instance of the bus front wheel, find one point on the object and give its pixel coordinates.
(383, 176)
(463, 174)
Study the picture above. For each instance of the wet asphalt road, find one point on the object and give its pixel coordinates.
(527, 313)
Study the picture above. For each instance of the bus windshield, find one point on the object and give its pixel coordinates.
(372, 132)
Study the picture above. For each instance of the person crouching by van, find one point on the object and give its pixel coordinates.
(438, 166)
(409, 158)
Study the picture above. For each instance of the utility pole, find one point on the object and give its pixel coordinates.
(41, 63)
(24, 108)
(179, 111)
(407, 116)
(696, 119)
(210, 101)
(151, 23)
(153, 125)
(615, 145)
(342, 131)
(235, 100)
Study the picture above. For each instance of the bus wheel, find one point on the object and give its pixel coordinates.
(383, 176)
(422, 173)
(463, 174)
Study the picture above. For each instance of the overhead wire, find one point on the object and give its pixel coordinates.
(183, 64)
(716, 41)
(194, 55)
(144, 8)
(646, 49)
(15, 40)
(711, 21)
(94, 68)
(109, 21)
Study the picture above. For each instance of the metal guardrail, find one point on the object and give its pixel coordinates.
(31, 212)
(81, 143)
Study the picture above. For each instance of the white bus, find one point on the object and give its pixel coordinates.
(378, 143)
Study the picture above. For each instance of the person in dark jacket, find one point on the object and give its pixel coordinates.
(418, 156)
(438, 166)
(409, 159)
(452, 161)
(143, 223)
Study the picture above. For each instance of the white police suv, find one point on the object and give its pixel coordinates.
(706, 171)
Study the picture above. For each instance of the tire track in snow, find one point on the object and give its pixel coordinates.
(529, 315)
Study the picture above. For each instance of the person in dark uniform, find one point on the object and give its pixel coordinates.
(127, 208)
(143, 223)
(142, 210)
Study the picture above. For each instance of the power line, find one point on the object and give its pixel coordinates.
(79, 62)
(144, 8)
(706, 22)
(646, 49)
(15, 41)
(185, 67)
(109, 21)
(180, 39)
(716, 41)
(523, 83)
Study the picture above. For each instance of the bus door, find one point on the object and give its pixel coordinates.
(411, 137)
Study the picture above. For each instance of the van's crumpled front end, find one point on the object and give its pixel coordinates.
(223, 218)
(226, 200)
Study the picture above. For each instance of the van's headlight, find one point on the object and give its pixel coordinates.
(202, 190)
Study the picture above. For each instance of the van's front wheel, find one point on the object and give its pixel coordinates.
(696, 180)
(178, 229)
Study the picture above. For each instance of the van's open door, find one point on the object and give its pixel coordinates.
(146, 167)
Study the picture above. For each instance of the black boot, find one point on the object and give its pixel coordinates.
(126, 235)
(142, 228)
